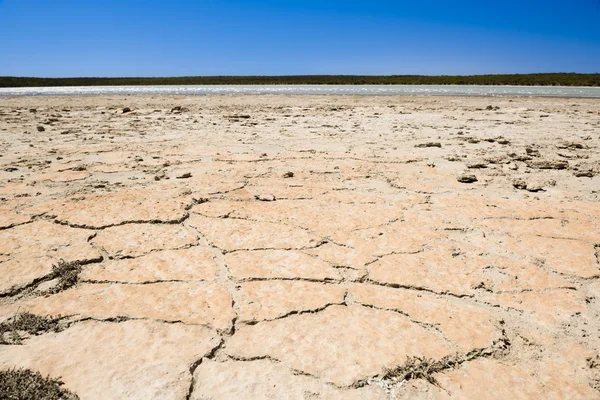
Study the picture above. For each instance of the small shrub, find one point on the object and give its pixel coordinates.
(24, 384)
(67, 274)
(26, 322)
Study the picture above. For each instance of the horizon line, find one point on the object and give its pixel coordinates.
(295, 75)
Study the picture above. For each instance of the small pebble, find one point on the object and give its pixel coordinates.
(466, 178)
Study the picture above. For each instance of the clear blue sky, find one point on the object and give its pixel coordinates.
(54, 38)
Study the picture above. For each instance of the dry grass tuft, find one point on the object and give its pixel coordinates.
(27, 322)
(24, 384)
(67, 274)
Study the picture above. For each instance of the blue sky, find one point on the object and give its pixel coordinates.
(54, 38)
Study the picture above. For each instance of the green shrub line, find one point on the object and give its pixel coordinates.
(538, 79)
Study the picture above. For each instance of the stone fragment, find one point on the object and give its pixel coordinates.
(570, 145)
(530, 186)
(193, 264)
(476, 165)
(429, 144)
(266, 300)
(238, 234)
(63, 176)
(466, 178)
(584, 174)
(264, 197)
(191, 303)
(131, 359)
(179, 110)
(133, 240)
(341, 345)
(271, 264)
(532, 152)
(264, 379)
(520, 184)
(535, 187)
(548, 164)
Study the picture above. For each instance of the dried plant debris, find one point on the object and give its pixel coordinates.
(11, 330)
(594, 363)
(425, 368)
(420, 368)
(24, 384)
(67, 274)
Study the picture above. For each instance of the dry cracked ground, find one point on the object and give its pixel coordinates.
(275, 247)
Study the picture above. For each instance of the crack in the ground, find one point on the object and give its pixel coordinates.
(393, 253)
(325, 281)
(224, 277)
(58, 221)
(294, 312)
(249, 219)
(255, 358)
(424, 368)
(425, 325)
(124, 318)
(142, 283)
(211, 355)
(5, 227)
(319, 244)
(45, 278)
(538, 291)
(118, 256)
(416, 288)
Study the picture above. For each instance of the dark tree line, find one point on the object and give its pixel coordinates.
(549, 79)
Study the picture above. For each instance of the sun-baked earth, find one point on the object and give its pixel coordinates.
(275, 247)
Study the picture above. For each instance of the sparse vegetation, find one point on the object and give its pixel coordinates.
(420, 368)
(26, 322)
(24, 384)
(542, 79)
(67, 274)
(426, 368)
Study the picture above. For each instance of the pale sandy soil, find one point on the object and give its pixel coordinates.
(210, 272)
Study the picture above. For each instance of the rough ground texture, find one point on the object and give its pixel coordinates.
(303, 247)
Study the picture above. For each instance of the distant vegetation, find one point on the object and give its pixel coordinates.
(553, 79)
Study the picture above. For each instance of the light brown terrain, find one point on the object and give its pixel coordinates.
(275, 247)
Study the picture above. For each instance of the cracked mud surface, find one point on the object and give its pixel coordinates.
(303, 247)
